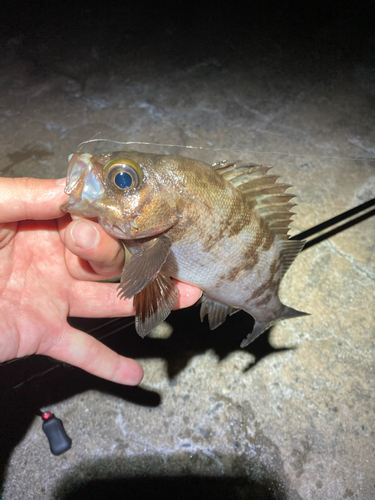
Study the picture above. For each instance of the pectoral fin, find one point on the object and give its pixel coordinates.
(154, 303)
(143, 267)
(216, 311)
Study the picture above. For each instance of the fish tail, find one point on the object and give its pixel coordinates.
(259, 327)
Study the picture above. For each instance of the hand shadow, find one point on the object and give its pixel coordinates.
(38, 382)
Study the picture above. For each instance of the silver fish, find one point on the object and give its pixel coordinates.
(221, 227)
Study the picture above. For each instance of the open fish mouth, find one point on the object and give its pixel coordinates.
(78, 164)
(82, 186)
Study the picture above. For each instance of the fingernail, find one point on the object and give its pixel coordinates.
(61, 182)
(85, 235)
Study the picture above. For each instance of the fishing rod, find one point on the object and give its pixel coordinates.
(336, 221)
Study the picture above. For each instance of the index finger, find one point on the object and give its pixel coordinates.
(27, 198)
(80, 349)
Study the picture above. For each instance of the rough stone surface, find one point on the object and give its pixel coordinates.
(291, 416)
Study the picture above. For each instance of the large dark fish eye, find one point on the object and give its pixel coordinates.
(122, 180)
(123, 174)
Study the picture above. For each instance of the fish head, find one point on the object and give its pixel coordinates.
(127, 191)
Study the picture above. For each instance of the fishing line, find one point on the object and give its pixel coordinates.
(115, 331)
(204, 148)
(60, 364)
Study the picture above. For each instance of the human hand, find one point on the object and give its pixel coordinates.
(48, 268)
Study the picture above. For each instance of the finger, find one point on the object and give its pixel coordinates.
(26, 198)
(189, 295)
(80, 349)
(100, 300)
(91, 253)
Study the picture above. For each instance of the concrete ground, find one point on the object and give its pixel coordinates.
(292, 415)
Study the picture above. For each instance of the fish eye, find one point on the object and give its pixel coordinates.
(123, 180)
(123, 174)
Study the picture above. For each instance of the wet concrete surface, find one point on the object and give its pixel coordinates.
(289, 417)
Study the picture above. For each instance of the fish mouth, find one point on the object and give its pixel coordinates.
(80, 207)
(78, 164)
(82, 186)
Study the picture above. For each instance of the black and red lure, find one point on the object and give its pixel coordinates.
(59, 441)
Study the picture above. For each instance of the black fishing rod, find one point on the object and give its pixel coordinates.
(336, 221)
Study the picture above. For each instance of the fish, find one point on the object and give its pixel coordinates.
(221, 227)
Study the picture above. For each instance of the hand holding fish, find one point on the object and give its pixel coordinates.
(49, 268)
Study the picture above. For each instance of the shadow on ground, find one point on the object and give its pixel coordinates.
(181, 477)
(189, 338)
(39, 382)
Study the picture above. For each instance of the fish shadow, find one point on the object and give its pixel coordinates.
(29, 384)
(188, 339)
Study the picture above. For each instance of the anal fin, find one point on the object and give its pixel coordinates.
(143, 266)
(216, 311)
(154, 303)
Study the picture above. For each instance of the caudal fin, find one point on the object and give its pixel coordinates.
(259, 328)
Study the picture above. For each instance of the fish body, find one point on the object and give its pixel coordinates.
(221, 227)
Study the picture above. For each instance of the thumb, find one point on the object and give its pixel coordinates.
(26, 198)
(83, 351)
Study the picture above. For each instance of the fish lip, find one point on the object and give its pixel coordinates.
(66, 206)
(115, 231)
(119, 232)
(79, 206)
(70, 203)
(82, 186)
(78, 164)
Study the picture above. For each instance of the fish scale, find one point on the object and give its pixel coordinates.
(223, 228)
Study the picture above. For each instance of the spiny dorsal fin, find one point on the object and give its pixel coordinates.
(262, 192)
